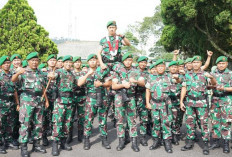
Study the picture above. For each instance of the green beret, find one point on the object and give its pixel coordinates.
(221, 59)
(3, 59)
(15, 56)
(111, 23)
(159, 61)
(127, 55)
(188, 60)
(51, 56)
(196, 58)
(32, 55)
(152, 66)
(76, 58)
(41, 66)
(60, 58)
(24, 63)
(66, 58)
(142, 58)
(173, 63)
(180, 62)
(85, 65)
(91, 56)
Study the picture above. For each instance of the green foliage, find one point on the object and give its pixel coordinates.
(197, 26)
(20, 33)
(134, 42)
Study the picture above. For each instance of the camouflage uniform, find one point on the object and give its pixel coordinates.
(141, 104)
(127, 109)
(51, 95)
(159, 86)
(31, 108)
(196, 104)
(221, 108)
(91, 111)
(7, 106)
(62, 112)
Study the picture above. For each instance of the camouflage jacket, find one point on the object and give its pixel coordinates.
(224, 79)
(160, 88)
(122, 74)
(79, 91)
(52, 88)
(66, 84)
(7, 89)
(175, 89)
(196, 86)
(106, 51)
(141, 90)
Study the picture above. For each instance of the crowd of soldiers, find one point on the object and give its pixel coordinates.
(39, 101)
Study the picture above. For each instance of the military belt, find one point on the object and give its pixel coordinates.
(221, 95)
(7, 98)
(65, 94)
(33, 93)
(202, 97)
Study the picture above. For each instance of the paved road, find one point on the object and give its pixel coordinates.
(98, 151)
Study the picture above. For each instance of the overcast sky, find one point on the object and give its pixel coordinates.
(86, 19)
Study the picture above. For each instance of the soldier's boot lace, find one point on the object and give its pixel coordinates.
(215, 144)
(143, 140)
(175, 140)
(189, 145)
(86, 143)
(156, 144)
(37, 147)
(64, 144)
(168, 146)
(206, 148)
(226, 147)
(55, 151)
(121, 144)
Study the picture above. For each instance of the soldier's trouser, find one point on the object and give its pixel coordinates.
(176, 114)
(61, 118)
(125, 111)
(28, 114)
(47, 117)
(6, 122)
(191, 117)
(142, 113)
(91, 111)
(161, 119)
(15, 117)
(79, 107)
(220, 126)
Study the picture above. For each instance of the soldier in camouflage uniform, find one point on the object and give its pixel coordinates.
(108, 55)
(62, 112)
(194, 86)
(175, 99)
(32, 85)
(87, 79)
(158, 100)
(127, 77)
(51, 94)
(221, 109)
(59, 63)
(78, 106)
(141, 99)
(8, 101)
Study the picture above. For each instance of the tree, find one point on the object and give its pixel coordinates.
(20, 33)
(197, 26)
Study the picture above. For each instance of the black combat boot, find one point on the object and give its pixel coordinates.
(70, 135)
(105, 143)
(134, 145)
(37, 147)
(121, 144)
(175, 140)
(156, 144)
(80, 135)
(64, 145)
(11, 145)
(206, 148)
(99, 95)
(24, 152)
(125, 98)
(226, 147)
(215, 144)
(55, 151)
(189, 145)
(86, 143)
(2, 148)
(168, 146)
(127, 137)
(143, 140)
(45, 139)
